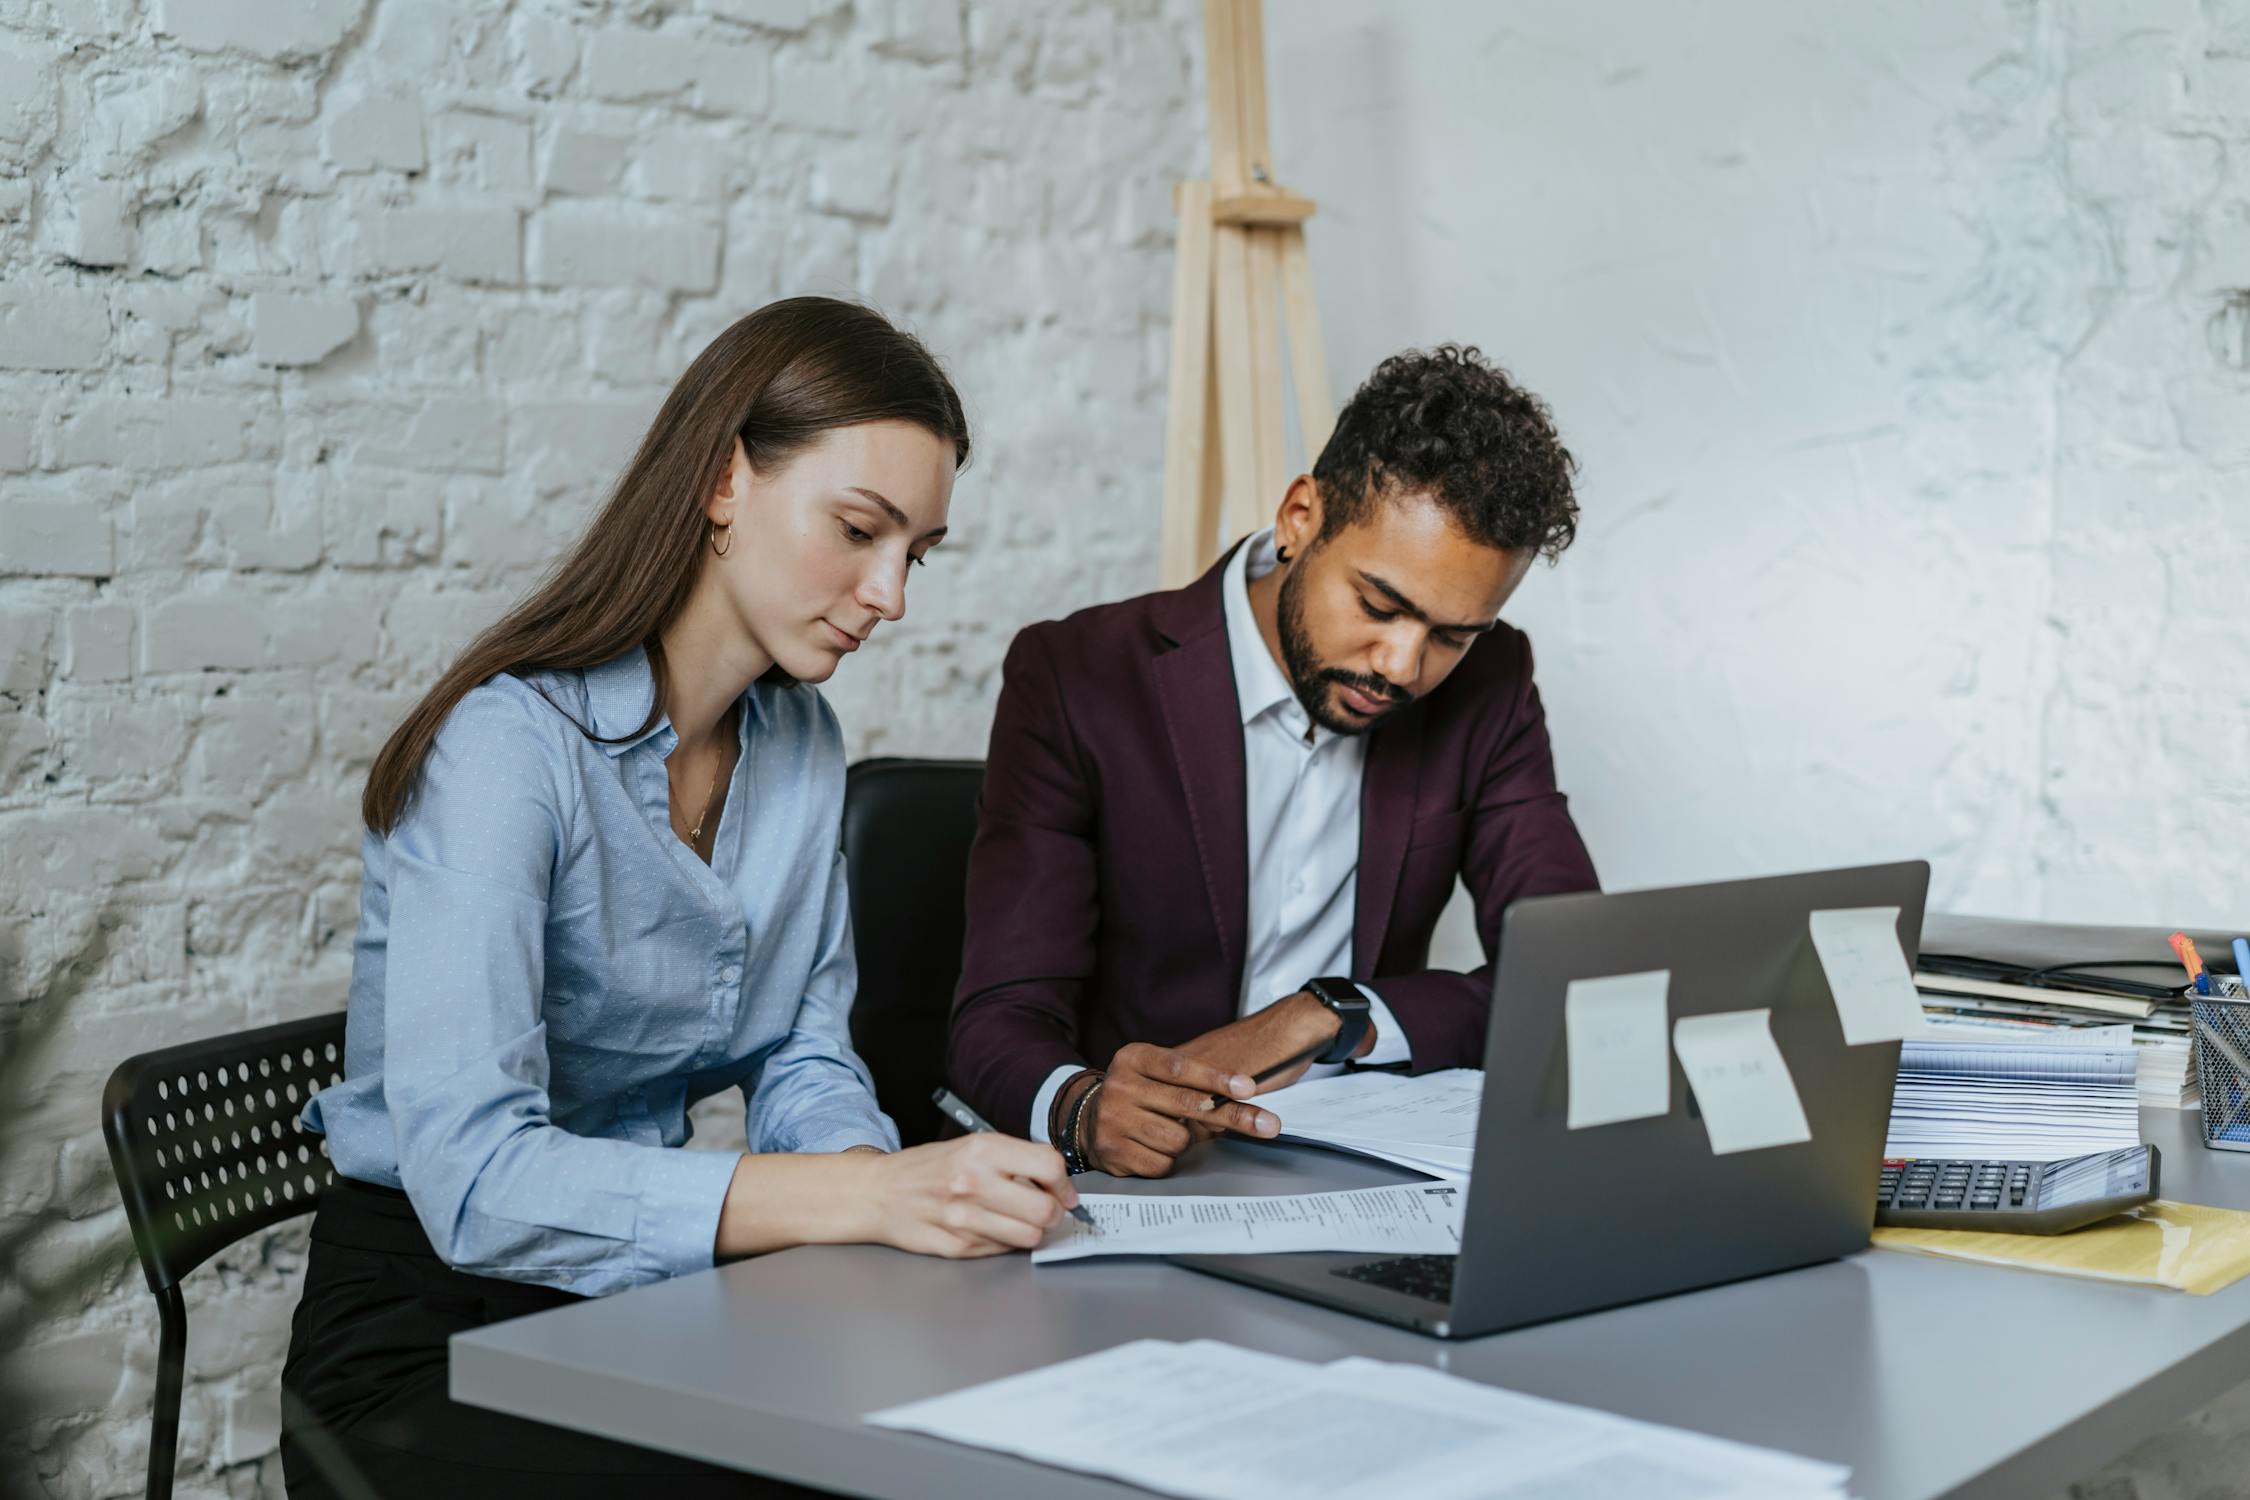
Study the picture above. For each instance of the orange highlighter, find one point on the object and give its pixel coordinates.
(2199, 979)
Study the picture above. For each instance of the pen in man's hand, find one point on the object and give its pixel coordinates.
(969, 1120)
(1279, 1068)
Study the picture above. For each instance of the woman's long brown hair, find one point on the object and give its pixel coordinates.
(777, 379)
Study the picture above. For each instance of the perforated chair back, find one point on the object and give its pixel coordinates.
(208, 1150)
(206, 1141)
(908, 825)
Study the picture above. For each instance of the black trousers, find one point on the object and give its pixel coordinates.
(367, 1363)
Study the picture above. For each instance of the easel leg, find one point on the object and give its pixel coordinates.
(1237, 378)
(1316, 417)
(1267, 432)
(1187, 530)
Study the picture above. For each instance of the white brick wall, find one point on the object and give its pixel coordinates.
(322, 325)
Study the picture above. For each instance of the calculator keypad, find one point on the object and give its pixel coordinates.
(1954, 1185)
(2013, 1197)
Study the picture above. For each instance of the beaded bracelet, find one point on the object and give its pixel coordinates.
(1073, 1147)
(1063, 1109)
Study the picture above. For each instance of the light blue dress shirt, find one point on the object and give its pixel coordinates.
(546, 978)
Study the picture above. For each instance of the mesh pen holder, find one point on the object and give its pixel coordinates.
(2222, 1070)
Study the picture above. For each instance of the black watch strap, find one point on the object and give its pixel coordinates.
(1349, 1004)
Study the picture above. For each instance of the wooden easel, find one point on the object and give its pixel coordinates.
(1241, 248)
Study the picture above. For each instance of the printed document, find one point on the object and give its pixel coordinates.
(1410, 1219)
(1427, 1122)
(1620, 1064)
(1740, 1080)
(1867, 973)
(1214, 1422)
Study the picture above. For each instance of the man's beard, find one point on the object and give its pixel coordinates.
(1310, 680)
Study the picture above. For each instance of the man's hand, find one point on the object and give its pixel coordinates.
(1139, 1125)
(1264, 1037)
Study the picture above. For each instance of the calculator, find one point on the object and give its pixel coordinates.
(2013, 1197)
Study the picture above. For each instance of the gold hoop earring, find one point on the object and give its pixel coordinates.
(716, 532)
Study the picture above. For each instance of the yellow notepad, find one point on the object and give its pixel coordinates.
(2181, 1245)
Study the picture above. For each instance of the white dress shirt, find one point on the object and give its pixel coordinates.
(1303, 819)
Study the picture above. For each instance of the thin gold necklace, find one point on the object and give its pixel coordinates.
(695, 834)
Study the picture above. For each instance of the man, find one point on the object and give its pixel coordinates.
(1205, 808)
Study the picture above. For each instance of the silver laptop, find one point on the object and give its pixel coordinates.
(1560, 1221)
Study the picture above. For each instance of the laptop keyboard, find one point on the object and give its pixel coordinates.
(1429, 1277)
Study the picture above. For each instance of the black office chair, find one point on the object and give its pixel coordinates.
(208, 1150)
(907, 829)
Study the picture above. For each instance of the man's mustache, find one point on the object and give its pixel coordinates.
(1373, 687)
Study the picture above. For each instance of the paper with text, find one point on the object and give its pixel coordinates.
(1620, 1061)
(1411, 1219)
(1867, 973)
(1427, 1121)
(1741, 1083)
(1214, 1422)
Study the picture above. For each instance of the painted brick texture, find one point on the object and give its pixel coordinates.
(323, 325)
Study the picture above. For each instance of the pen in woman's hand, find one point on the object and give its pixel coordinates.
(969, 1120)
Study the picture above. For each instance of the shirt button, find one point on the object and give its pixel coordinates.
(730, 975)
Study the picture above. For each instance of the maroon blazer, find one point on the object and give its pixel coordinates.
(1108, 892)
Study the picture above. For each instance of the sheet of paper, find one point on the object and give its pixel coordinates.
(1431, 1160)
(1867, 973)
(1214, 1422)
(1732, 1467)
(1427, 1122)
(1615, 1033)
(1410, 1219)
(1741, 1082)
(1990, 1029)
(1428, 1109)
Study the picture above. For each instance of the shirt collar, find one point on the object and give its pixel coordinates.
(1259, 684)
(619, 694)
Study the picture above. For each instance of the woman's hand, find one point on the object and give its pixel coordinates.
(982, 1194)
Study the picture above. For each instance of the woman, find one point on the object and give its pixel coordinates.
(600, 882)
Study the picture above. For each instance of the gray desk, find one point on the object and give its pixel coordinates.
(1930, 1378)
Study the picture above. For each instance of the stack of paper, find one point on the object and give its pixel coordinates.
(1214, 1422)
(2167, 1071)
(1427, 1122)
(2160, 1026)
(1963, 1092)
(2162, 1043)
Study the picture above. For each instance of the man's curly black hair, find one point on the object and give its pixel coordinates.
(1450, 424)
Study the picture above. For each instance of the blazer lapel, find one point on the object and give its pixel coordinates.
(1203, 720)
(1389, 784)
